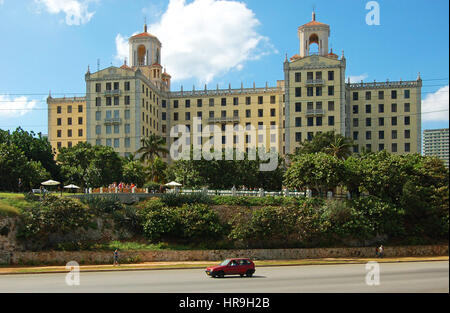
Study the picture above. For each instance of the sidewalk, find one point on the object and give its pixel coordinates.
(203, 264)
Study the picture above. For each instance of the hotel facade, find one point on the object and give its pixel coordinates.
(125, 104)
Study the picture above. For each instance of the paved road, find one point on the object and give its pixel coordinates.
(394, 277)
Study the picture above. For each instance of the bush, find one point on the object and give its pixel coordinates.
(177, 200)
(199, 222)
(54, 215)
(103, 204)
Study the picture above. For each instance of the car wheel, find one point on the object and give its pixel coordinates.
(249, 273)
(213, 275)
(221, 274)
(242, 275)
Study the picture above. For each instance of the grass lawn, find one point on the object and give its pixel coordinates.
(12, 203)
(138, 246)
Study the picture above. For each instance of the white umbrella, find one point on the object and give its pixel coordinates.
(173, 184)
(72, 186)
(50, 183)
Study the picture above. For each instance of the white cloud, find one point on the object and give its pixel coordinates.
(121, 47)
(15, 107)
(205, 38)
(437, 103)
(357, 78)
(2, 1)
(76, 11)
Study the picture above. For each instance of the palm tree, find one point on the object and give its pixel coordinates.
(152, 146)
(156, 170)
(340, 148)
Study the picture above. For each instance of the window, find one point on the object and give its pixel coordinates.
(355, 135)
(319, 121)
(394, 134)
(116, 85)
(58, 133)
(108, 86)
(330, 105)
(381, 95)
(127, 114)
(235, 101)
(116, 142)
(407, 147)
(330, 120)
(80, 109)
(260, 99)
(310, 136)
(175, 104)
(58, 121)
(235, 113)
(127, 100)
(108, 142)
(69, 121)
(368, 108)
(272, 99)
(407, 120)
(69, 144)
(310, 121)
(260, 112)
(298, 77)
(247, 113)
(406, 94)
(211, 102)
(69, 109)
(69, 133)
(80, 121)
(381, 121)
(394, 107)
(330, 75)
(187, 103)
(248, 100)
(355, 96)
(108, 129)
(298, 122)
(127, 128)
(310, 91)
(381, 134)
(355, 122)
(381, 147)
(394, 147)
(298, 107)
(163, 116)
(188, 116)
(223, 113)
(318, 91)
(407, 107)
(369, 147)
(80, 133)
(127, 142)
(108, 101)
(98, 130)
(331, 90)
(127, 86)
(368, 95)
(394, 121)
(163, 103)
(298, 91)
(58, 110)
(381, 108)
(98, 101)
(98, 87)
(272, 112)
(309, 76)
(368, 122)
(175, 116)
(407, 134)
(355, 109)
(223, 101)
(393, 94)
(298, 137)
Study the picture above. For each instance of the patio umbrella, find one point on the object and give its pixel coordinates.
(50, 183)
(173, 184)
(71, 186)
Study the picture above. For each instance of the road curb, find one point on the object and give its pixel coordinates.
(202, 267)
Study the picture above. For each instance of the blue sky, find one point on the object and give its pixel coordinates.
(48, 45)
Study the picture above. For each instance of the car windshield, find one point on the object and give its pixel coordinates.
(225, 262)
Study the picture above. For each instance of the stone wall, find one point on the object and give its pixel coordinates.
(90, 257)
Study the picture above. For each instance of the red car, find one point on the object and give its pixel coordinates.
(232, 267)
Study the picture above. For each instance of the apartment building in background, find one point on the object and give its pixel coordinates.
(435, 143)
(125, 104)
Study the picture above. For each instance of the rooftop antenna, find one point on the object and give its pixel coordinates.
(314, 12)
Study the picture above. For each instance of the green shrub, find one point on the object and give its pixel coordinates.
(199, 222)
(177, 200)
(160, 222)
(103, 204)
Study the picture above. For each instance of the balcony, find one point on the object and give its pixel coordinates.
(115, 92)
(113, 121)
(224, 119)
(315, 82)
(315, 112)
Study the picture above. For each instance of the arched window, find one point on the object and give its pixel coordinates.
(313, 44)
(141, 51)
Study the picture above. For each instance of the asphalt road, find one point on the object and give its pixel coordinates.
(394, 277)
